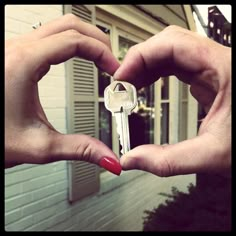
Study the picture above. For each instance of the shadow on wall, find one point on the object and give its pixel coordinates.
(202, 209)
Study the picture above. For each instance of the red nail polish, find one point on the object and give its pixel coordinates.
(111, 165)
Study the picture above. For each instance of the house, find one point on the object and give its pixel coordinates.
(77, 196)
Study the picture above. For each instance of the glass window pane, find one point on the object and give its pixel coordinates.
(124, 45)
(201, 115)
(164, 123)
(141, 121)
(150, 95)
(184, 91)
(183, 122)
(165, 88)
(103, 78)
(183, 109)
(137, 129)
(105, 132)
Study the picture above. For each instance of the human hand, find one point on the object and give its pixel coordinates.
(206, 66)
(29, 137)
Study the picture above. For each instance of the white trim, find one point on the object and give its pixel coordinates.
(173, 109)
(129, 36)
(101, 99)
(135, 17)
(108, 26)
(192, 116)
(165, 101)
(116, 32)
(157, 110)
(103, 24)
(189, 17)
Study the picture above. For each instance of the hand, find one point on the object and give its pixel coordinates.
(29, 137)
(206, 66)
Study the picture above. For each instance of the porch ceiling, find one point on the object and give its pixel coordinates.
(167, 14)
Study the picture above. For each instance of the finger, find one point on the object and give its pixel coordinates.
(174, 51)
(63, 46)
(201, 154)
(83, 148)
(68, 22)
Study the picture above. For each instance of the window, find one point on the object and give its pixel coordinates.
(183, 109)
(161, 115)
(143, 115)
(123, 36)
(165, 110)
(105, 119)
(171, 106)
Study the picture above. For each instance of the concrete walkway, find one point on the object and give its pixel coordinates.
(122, 209)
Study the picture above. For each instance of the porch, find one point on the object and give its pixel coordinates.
(122, 209)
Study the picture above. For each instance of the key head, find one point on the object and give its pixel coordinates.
(120, 96)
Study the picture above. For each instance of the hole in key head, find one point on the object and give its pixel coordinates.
(119, 88)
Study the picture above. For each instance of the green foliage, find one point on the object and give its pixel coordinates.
(202, 209)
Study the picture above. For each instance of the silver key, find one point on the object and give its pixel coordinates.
(120, 99)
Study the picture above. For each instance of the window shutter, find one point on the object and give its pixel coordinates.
(82, 112)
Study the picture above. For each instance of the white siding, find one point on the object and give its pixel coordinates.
(34, 192)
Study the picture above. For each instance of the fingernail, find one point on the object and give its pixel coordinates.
(111, 165)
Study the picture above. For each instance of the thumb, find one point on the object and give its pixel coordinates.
(83, 148)
(200, 154)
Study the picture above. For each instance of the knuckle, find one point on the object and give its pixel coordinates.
(171, 28)
(173, 31)
(71, 18)
(135, 51)
(138, 48)
(85, 150)
(72, 33)
(163, 166)
(133, 48)
(100, 55)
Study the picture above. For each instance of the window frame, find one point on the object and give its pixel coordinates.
(115, 27)
(120, 27)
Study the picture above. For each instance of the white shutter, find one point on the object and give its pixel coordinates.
(82, 94)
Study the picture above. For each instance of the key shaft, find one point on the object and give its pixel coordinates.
(122, 122)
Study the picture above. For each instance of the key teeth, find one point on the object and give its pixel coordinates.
(118, 128)
(122, 149)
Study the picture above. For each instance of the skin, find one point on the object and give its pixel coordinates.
(196, 60)
(29, 137)
(206, 66)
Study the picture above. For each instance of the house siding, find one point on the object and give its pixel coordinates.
(35, 192)
(175, 13)
(36, 196)
(119, 210)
